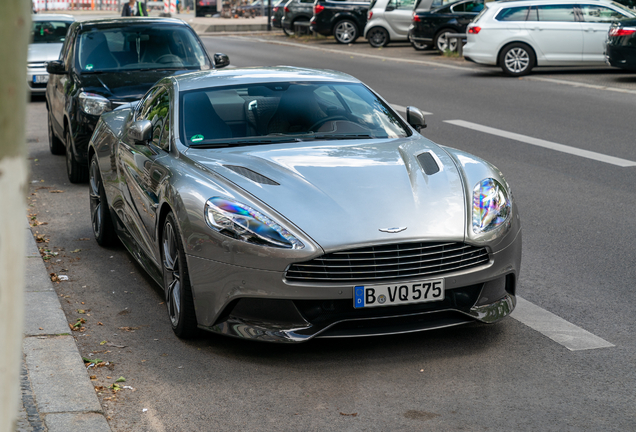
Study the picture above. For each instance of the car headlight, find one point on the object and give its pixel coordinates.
(491, 205)
(93, 104)
(244, 223)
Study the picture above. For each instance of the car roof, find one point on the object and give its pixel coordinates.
(117, 22)
(255, 75)
(503, 3)
(52, 17)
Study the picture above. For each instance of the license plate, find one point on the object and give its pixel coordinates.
(40, 79)
(398, 294)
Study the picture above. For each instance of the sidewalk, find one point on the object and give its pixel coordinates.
(57, 395)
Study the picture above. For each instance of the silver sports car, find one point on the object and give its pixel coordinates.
(282, 204)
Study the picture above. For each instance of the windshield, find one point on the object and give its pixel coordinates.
(140, 47)
(49, 31)
(284, 112)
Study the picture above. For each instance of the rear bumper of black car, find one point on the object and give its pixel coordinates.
(623, 57)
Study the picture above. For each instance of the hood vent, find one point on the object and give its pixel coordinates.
(428, 163)
(252, 175)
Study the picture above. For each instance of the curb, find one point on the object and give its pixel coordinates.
(60, 388)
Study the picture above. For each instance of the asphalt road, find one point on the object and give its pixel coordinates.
(578, 219)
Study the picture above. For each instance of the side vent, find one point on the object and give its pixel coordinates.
(252, 175)
(428, 163)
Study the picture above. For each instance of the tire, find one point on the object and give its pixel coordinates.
(176, 281)
(442, 43)
(419, 46)
(56, 146)
(288, 32)
(378, 37)
(345, 31)
(517, 59)
(103, 227)
(77, 172)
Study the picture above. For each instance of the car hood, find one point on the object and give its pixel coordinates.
(44, 52)
(123, 86)
(343, 193)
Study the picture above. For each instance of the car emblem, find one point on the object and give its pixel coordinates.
(393, 230)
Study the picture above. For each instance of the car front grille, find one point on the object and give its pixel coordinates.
(389, 262)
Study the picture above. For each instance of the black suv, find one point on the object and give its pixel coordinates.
(108, 63)
(345, 20)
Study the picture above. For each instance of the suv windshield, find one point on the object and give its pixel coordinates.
(139, 47)
(284, 112)
(49, 31)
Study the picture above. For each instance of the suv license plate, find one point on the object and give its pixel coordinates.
(398, 294)
(40, 79)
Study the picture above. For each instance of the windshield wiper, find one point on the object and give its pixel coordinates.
(246, 142)
(342, 136)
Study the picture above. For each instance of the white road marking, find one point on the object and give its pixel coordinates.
(545, 144)
(401, 108)
(579, 84)
(559, 330)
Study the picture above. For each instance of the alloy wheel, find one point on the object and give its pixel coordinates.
(346, 32)
(446, 44)
(95, 198)
(517, 60)
(172, 272)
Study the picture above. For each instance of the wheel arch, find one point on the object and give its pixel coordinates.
(507, 44)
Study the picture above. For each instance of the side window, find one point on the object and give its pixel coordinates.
(156, 108)
(405, 4)
(67, 51)
(599, 14)
(532, 14)
(474, 7)
(561, 13)
(513, 14)
(459, 8)
(307, 1)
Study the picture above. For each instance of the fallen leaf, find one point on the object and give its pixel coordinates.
(120, 379)
(76, 251)
(99, 323)
(40, 328)
(56, 191)
(93, 377)
(81, 311)
(128, 329)
(110, 344)
(84, 239)
(103, 342)
(352, 414)
(54, 277)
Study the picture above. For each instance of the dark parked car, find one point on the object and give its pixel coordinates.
(345, 20)
(620, 49)
(278, 9)
(205, 7)
(432, 27)
(297, 11)
(107, 63)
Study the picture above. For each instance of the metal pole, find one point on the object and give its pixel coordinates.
(15, 26)
(269, 15)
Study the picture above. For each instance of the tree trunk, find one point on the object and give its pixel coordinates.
(15, 28)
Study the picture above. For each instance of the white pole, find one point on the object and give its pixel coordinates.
(15, 30)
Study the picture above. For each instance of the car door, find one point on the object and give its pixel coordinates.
(596, 21)
(556, 33)
(142, 175)
(464, 12)
(57, 87)
(399, 14)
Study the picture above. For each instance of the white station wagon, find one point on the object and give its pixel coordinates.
(519, 35)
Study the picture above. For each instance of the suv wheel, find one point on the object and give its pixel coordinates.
(345, 31)
(443, 43)
(516, 59)
(290, 31)
(56, 146)
(378, 37)
(77, 172)
(419, 46)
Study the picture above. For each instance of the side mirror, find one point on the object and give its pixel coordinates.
(221, 60)
(415, 118)
(141, 131)
(56, 67)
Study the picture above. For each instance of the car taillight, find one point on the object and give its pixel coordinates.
(318, 8)
(626, 31)
(369, 16)
(474, 30)
(416, 18)
(286, 9)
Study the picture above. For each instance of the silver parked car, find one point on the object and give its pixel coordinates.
(282, 204)
(48, 33)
